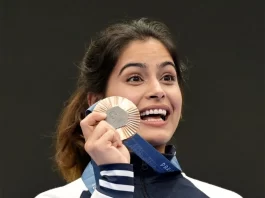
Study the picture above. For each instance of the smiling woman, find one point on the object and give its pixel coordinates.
(136, 60)
(145, 73)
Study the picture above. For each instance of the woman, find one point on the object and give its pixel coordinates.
(136, 60)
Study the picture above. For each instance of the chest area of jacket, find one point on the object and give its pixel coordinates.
(174, 188)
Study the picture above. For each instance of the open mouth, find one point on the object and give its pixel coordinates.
(154, 115)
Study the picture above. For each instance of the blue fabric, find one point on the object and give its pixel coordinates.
(91, 173)
(167, 177)
(150, 155)
(88, 178)
(149, 183)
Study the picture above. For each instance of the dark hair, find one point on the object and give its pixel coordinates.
(95, 69)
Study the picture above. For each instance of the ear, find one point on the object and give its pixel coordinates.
(93, 98)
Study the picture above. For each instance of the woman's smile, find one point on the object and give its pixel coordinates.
(145, 74)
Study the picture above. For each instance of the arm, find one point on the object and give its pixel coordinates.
(116, 181)
(104, 146)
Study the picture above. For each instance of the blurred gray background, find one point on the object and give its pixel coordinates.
(220, 140)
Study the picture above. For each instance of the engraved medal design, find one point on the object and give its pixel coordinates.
(122, 114)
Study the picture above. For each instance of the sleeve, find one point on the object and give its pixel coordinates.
(116, 180)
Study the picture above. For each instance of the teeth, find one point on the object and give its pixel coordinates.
(154, 111)
(151, 119)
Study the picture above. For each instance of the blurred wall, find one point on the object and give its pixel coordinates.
(220, 140)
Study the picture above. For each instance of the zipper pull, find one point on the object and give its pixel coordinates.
(144, 166)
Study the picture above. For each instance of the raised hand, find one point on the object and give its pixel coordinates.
(103, 143)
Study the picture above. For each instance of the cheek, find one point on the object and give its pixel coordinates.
(177, 103)
(135, 98)
(124, 91)
(175, 98)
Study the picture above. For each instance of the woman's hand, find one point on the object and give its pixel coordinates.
(103, 143)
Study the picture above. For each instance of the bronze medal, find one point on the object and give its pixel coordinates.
(122, 114)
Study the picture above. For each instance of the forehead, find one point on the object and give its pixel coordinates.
(150, 52)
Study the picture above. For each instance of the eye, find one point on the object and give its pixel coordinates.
(134, 78)
(169, 78)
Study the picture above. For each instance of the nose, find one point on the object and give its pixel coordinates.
(155, 91)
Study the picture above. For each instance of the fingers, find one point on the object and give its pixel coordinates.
(103, 142)
(111, 137)
(94, 126)
(100, 129)
(89, 122)
(93, 118)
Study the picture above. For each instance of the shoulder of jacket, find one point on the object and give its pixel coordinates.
(211, 190)
(73, 189)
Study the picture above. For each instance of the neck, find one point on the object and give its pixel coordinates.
(160, 148)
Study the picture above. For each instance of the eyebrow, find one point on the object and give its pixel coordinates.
(142, 65)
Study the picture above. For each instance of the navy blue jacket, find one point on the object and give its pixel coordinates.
(138, 180)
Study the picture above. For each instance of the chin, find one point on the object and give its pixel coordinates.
(156, 139)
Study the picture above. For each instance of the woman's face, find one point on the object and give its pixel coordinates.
(145, 74)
